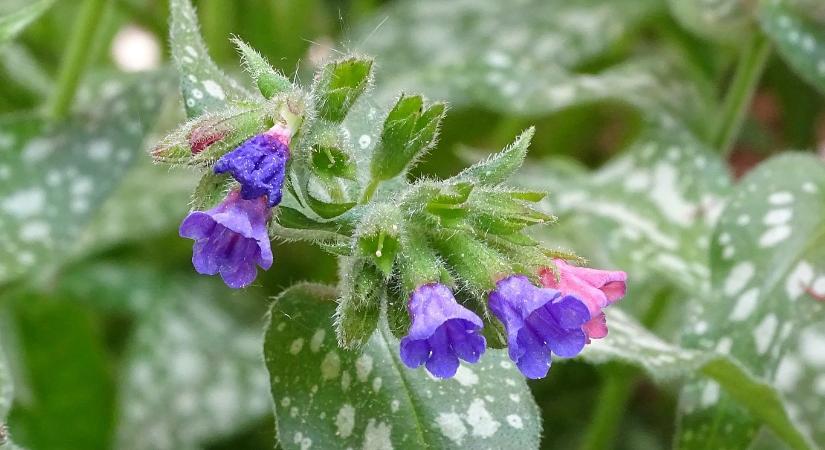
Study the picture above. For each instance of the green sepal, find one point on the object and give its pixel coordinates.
(410, 130)
(378, 236)
(339, 84)
(269, 81)
(203, 140)
(211, 190)
(332, 162)
(478, 265)
(501, 213)
(499, 167)
(356, 316)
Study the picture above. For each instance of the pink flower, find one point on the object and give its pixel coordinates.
(596, 288)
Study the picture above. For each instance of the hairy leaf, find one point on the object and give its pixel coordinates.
(325, 397)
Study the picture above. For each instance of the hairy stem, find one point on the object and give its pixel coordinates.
(740, 93)
(76, 57)
(370, 190)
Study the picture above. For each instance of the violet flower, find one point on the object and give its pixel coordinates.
(538, 321)
(442, 332)
(259, 164)
(230, 239)
(596, 288)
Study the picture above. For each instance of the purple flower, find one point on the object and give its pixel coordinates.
(538, 321)
(259, 164)
(230, 239)
(442, 331)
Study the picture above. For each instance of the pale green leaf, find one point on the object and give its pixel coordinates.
(652, 208)
(798, 38)
(766, 309)
(192, 371)
(727, 21)
(205, 88)
(54, 177)
(517, 58)
(631, 343)
(326, 397)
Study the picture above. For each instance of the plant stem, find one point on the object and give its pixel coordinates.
(370, 190)
(76, 57)
(617, 386)
(740, 93)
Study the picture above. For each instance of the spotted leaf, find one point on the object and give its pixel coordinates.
(766, 309)
(205, 88)
(54, 177)
(325, 397)
(798, 38)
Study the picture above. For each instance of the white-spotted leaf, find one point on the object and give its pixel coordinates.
(203, 85)
(766, 307)
(326, 397)
(798, 38)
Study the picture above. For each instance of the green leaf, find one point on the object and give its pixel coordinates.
(66, 371)
(270, 82)
(799, 39)
(204, 86)
(651, 209)
(55, 177)
(338, 86)
(727, 21)
(6, 385)
(499, 167)
(523, 60)
(362, 289)
(631, 343)
(410, 130)
(329, 398)
(765, 310)
(150, 200)
(332, 162)
(14, 22)
(192, 371)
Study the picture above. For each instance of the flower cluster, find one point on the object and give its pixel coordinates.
(391, 235)
(559, 318)
(232, 238)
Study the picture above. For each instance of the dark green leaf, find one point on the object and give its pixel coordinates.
(799, 39)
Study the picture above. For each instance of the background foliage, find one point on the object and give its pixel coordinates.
(678, 141)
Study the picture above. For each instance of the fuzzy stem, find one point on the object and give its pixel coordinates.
(370, 190)
(740, 93)
(77, 56)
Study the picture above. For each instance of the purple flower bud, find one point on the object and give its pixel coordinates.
(538, 321)
(442, 331)
(230, 239)
(259, 164)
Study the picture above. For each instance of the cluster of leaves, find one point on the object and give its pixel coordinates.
(742, 260)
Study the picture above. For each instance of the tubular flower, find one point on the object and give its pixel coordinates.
(259, 164)
(230, 239)
(538, 321)
(596, 288)
(442, 332)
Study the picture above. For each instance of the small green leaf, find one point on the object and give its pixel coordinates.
(799, 39)
(292, 218)
(410, 130)
(270, 82)
(204, 86)
(339, 84)
(14, 22)
(499, 167)
(329, 398)
(57, 176)
(767, 267)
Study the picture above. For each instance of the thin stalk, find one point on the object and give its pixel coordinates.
(76, 57)
(740, 93)
(617, 387)
(370, 190)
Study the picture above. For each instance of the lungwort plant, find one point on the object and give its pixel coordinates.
(454, 314)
